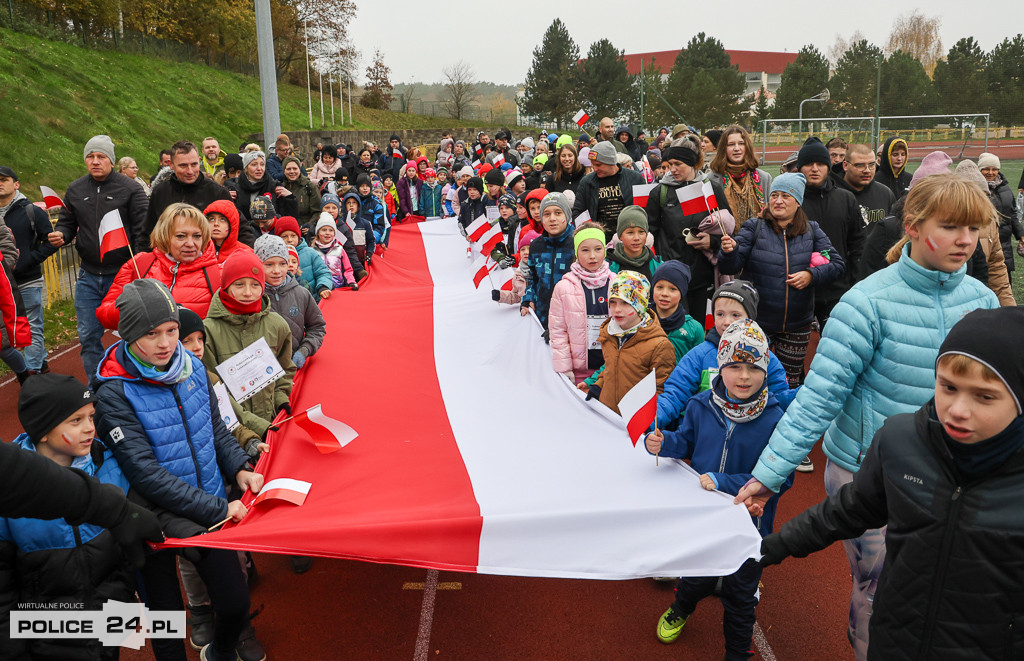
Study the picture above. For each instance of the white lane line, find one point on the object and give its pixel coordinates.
(48, 358)
(427, 617)
(762, 644)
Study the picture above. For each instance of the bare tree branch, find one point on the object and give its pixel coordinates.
(459, 89)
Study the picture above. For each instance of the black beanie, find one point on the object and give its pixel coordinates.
(495, 177)
(813, 151)
(143, 305)
(988, 337)
(477, 183)
(341, 174)
(190, 322)
(232, 162)
(740, 291)
(363, 179)
(46, 400)
(684, 154)
(714, 135)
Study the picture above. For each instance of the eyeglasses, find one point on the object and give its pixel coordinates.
(863, 166)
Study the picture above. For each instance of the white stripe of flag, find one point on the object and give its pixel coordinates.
(284, 488)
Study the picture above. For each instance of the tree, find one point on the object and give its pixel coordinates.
(906, 89)
(325, 21)
(704, 86)
(804, 77)
(405, 98)
(918, 36)
(841, 45)
(961, 80)
(656, 112)
(760, 107)
(549, 92)
(605, 83)
(854, 84)
(1006, 81)
(459, 89)
(377, 91)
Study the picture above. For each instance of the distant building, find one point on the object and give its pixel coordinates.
(759, 68)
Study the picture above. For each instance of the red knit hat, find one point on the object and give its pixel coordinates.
(242, 265)
(285, 223)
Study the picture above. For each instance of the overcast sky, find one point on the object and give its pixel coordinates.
(419, 37)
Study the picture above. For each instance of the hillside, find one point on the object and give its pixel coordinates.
(56, 96)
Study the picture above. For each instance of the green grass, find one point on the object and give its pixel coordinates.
(56, 96)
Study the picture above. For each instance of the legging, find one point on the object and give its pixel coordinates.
(790, 347)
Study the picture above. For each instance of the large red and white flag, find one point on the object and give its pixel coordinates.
(478, 228)
(639, 406)
(691, 199)
(51, 198)
(112, 233)
(641, 192)
(283, 488)
(436, 477)
(328, 435)
(581, 118)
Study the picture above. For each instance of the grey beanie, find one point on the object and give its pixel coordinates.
(740, 291)
(270, 245)
(605, 153)
(631, 216)
(250, 156)
(558, 200)
(143, 305)
(102, 144)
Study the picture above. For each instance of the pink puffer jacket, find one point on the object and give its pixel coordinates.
(567, 327)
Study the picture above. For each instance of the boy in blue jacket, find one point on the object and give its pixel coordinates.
(51, 561)
(723, 434)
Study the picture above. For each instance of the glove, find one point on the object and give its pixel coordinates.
(360, 274)
(773, 551)
(134, 525)
(507, 262)
(495, 295)
(299, 358)
(593, 393)
(267, 432)
(286, 407)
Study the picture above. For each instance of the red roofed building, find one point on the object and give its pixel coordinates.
(758, 67)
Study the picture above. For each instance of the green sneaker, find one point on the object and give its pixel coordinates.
(670, 626)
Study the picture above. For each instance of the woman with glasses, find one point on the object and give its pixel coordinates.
(129, 168)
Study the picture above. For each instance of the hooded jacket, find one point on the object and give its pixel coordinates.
(550, 259)
(766, 258)
(624, 367)
(876, 358)
(314, 269)
(169, 440)
(30, 227)
(87, 201)
(192, 285)
(952, 584)
(897, 182)
(296, 306)
(231, 244)
(363, 220)
(1009, 224)
(52, 561)
(632, 147)
(568, 325)
(322, 172)
(199, 194)
(838, 215)
(406, 191)
(227, 334)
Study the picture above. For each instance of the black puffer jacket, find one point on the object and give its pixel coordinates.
(837, 213)
(952, 587)
(30, 226)
(284, 206)
(1009, 224)
(200, 194)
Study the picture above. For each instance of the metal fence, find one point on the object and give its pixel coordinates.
(60, 273)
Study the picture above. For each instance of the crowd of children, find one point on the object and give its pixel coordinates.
(732, 394)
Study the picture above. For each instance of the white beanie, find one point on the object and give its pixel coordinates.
(325, 220)
(466, 171)
(988, 160)
(527, 142)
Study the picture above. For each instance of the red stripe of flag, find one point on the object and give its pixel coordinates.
(478, 228)
(503, 278)
(709, 317)
(112, 233)
(283, 488)
(51, 198)
(691, 199)
(639, 406)
(328, 434)
(709, 196)
(640, 194)
(491, 242)
(482, 269)
(581, 118)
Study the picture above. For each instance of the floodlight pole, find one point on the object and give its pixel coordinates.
(268, 72)
(822, 97)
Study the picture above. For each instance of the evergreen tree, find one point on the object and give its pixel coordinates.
(655, 113)
(854, 84)
(906, 89)
(804, 77)
(604, 83)
(1006, 81)
(549, 91)
(377, 91)
(761, 109)
(703, 84)
(961, 80)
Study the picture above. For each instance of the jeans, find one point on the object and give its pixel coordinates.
(739, 600)
(89, 293)
(35, 354)
(866, 555)
(13, 358)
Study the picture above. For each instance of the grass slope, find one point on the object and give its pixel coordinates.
(56, 96)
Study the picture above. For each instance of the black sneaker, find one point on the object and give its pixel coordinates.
(200, 624)
(805, 466)
(45, 369)
(248, 648)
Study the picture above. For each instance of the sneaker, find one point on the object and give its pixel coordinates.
(45, 369)
(805, 466)
(670, 626)
(300, 564)
(248, 648)
(666, 579)
(200, 625)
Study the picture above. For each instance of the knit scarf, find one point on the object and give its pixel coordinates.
(631, 263)
(675, 320)
(739, 411)
(236, 307)
(592, 280)
(179, 369)
(625, 333)
(325, 247)
(743, 191)
(975, 460)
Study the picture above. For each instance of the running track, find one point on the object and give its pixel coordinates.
(353, 610)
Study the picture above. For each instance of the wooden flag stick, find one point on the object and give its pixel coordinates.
(218, 525)
(132, 253)
(657, 455)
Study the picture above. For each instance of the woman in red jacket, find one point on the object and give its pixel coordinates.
(183, 257)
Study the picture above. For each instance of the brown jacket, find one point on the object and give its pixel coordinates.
(998, 277)
(649, 349)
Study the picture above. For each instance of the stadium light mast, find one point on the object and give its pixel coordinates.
(268, 72)
(823, 97)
